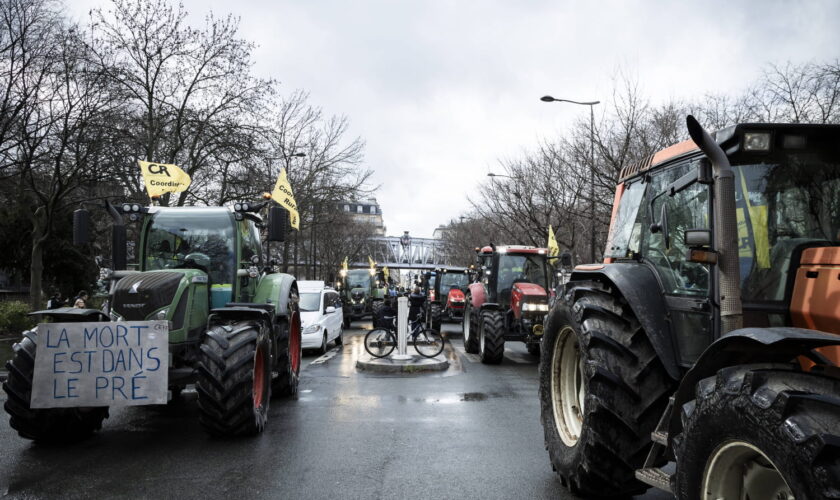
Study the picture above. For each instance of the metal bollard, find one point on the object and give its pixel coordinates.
(402, 329)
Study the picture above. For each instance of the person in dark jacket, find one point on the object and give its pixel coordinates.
(416, 305)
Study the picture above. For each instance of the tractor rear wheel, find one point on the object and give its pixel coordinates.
(436, 313)
(288, 354)
(47, 425)
(763, 432)
(470, 326)
(491, 341)
(234, 379)
(602, 392)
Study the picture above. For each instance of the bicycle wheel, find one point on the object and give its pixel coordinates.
(428, 343)
(380, 342)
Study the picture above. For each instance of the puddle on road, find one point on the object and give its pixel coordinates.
(473, 396)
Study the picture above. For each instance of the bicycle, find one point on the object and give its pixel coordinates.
(380, 342)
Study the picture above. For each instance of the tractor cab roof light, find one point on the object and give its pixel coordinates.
(126, 207)
(757, 141)
(135, 208)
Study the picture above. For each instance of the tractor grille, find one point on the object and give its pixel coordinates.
(137, 295)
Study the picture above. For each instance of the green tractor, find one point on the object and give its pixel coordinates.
(233, 324)
(362, 293)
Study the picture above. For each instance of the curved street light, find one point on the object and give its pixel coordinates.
(591, 104)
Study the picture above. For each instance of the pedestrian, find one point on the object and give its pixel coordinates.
(81, 300)
(55, 301)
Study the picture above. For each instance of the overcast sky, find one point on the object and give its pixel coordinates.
(440, 90)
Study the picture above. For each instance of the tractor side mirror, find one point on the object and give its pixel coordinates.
(566, 259)
(81, 226)
(662, 225)
(277, 221)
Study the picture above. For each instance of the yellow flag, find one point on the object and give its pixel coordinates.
(372, 263)
(282, 194)
(553, 247)
(345, 265)
(386, 273)
(163, 178)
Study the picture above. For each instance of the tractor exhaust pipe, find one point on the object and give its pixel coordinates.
(726, 236)
(118, 239)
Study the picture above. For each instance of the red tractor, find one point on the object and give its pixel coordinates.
(508, 301)
(445, 289)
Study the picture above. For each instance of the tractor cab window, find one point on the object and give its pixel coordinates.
(624, 233)
(457, 280)
(250, 241)
(523, 268)
(183, 238)
(783, 206)
(358, 278)
(688, 209)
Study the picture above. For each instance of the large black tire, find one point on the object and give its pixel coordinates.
(435, 316)
(288, 358)
(625, 390)
(339, 340)
(234, 379)
(491, 342)
(48, 425)
(376, 312)
(792, 417)
(470, 327)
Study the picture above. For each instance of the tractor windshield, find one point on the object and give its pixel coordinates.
(522, 268)
(782, 207)
(358, 278)
(458, 280)
(184, 237)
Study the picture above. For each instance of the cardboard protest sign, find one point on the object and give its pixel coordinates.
(101, 364)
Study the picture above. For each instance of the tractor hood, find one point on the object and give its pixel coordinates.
(456, 294)
(358, 293)
(529, 290)
(138, 295)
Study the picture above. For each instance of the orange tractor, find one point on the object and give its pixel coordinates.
(701, 356)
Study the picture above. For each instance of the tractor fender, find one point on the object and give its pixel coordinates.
(240, 311)
(743, 347)
(477, 295)
(274, 289)
(490, 306)
(640, 288)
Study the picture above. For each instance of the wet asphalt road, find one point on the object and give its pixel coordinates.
(470, 432)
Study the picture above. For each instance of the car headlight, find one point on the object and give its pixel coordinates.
(162, 314)
(312, 329)
(534, 306)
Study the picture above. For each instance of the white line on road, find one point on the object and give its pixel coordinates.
(326, 357)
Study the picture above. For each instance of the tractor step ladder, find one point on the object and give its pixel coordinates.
(650, 473)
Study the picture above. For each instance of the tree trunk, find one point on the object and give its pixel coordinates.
(36, 267)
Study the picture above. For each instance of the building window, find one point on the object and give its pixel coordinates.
(346, 208)
(359, 209)
(373, 209)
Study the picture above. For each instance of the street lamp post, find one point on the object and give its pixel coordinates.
(591, 105)
(516, 192)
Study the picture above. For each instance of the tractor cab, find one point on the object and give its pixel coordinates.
(445, 288)
(510, 273)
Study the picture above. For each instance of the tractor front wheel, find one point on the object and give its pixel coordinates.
(470, 327)
(376, 312)
(491, 341)
(288, 357)
(48, 425)
(436, 314)
(602, 392)
(234, 379)
(760, 432)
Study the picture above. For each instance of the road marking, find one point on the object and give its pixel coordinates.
(519, 358)
(326, 357)
(472, 358)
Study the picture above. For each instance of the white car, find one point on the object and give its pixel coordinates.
(320, 315)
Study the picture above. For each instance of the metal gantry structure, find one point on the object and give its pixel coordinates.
(407, 253)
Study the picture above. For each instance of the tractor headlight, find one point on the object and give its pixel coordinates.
(162, 314)
(312, 329)
(534, 306)
(757, 141)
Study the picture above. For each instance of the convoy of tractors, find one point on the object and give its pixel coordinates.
(700, 357)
